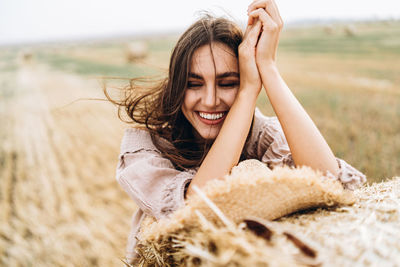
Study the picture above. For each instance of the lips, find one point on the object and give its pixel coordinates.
(210, 121)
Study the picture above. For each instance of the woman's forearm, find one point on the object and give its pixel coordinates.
(227, 147)
(307, 145)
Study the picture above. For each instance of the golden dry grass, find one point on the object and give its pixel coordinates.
(60, 204)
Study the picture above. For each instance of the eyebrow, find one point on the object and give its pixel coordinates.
(219, 76)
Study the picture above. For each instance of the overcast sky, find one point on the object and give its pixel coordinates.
(46, 20)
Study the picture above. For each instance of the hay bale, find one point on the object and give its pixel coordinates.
(328, 29)
(350, 30)
(136, 51)
(25, 57)
(252, 189)
(209, 229)
(364, 234)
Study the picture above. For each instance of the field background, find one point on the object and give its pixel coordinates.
(60, 203)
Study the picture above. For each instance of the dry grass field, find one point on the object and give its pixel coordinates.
(60, 204)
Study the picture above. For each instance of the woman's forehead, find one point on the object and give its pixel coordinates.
(211, 59)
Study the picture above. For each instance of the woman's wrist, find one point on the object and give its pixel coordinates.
(271, 78)
(267, 68)
(248, 92)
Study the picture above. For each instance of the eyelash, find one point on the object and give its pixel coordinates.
(224, 85)
(193, 85)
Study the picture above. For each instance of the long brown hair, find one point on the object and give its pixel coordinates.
(158, 107)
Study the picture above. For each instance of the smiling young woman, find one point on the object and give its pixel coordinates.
(202, 119)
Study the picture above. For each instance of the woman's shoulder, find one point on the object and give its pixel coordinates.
(135, 139)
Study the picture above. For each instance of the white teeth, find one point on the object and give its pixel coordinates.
(214, 116)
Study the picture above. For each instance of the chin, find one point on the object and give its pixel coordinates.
(209, 136)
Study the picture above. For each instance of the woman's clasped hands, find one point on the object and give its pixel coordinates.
(258, 50)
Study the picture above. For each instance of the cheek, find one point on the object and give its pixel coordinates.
(189, 101)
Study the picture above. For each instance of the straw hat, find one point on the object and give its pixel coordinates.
(252, 190)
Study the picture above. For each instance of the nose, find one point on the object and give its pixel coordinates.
(210, 97)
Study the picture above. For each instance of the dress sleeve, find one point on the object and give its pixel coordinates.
(274, 151)
(272, 147)
(152, 181)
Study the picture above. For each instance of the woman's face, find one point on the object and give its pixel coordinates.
(212, 87)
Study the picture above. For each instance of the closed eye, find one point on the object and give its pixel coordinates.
(194, 84)
(229, 84)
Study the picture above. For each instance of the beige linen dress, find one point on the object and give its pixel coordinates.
(158, 188)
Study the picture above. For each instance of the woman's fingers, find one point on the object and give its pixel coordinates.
(269, 6)
(250, 29)
(269, 38)
(247, 48)
(255, 33)
(252, 32)
(279, 18)
(249, 74)
(267, 22)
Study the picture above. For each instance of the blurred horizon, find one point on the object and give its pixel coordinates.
(27, 22)
(177, 31)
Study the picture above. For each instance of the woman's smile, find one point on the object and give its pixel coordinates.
(212, 118)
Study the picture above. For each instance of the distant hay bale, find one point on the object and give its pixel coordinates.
(350, 30)
(25, 57)
(136, 51)
(328, 29)
(230, 222)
